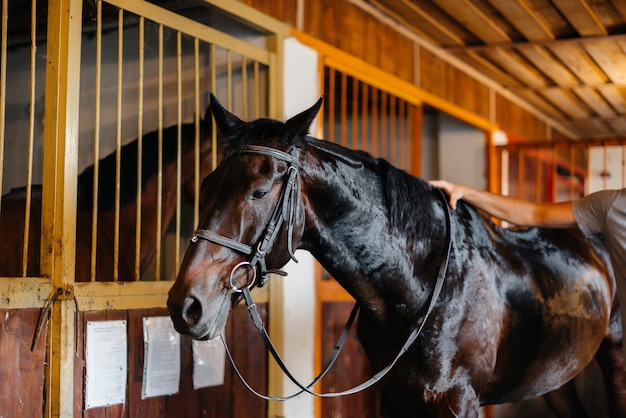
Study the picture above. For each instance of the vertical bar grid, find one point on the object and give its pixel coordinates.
(245, 79)
(360, 116)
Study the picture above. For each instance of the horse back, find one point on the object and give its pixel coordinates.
(550, 293)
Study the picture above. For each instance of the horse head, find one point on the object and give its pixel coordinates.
(251, 220)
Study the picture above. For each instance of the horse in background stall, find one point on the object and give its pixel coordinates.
(507, 314)
(12, 209)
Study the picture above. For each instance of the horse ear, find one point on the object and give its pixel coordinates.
(226, 122)
(300, 124)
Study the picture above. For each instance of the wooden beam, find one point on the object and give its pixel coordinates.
(547, 42)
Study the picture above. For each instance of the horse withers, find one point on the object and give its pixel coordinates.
(520, 314)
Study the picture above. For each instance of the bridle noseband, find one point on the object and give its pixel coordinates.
(286, 210)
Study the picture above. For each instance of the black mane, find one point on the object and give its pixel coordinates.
(401, 190)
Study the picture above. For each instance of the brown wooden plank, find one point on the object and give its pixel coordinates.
(351, 368)
(251, 357)
(428, 20)
(616, 96)
(595, 101)
(610, 57)
(21, 370)
(470, 16)
(149, 407)
(524, 18)
(581, 16)
(578, 61)
(549, 66)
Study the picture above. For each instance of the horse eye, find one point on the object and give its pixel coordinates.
(259, 194)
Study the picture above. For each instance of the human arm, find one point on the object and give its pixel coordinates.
(511, 209)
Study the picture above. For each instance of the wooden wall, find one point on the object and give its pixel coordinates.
(22, 371)
(349, 28)
(231, 399)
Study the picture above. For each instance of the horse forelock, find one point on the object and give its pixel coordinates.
(265, 131)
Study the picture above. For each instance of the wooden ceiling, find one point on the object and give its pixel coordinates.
(566, 58)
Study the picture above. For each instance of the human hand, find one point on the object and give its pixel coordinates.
(454, 191)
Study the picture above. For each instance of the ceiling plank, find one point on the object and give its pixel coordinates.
(568, 102)
(581, 17)
(517, 67)
(471, 17)
(618, 125)
(524, 19)
(595, 101)
(580, 63)
(541, 104)
(611, 58)
(488, 68)
(548, 65)
(426, 21)
(616, 96)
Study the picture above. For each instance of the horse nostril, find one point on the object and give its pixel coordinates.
(192, 310)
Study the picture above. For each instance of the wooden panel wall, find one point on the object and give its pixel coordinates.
(347, 27)
(442, 79)
(231, 400)
(523, 125)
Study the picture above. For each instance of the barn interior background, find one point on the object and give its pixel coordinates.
(526, 97)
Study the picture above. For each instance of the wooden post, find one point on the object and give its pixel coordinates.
(59, 196)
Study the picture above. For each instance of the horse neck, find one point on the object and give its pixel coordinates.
(350, 231)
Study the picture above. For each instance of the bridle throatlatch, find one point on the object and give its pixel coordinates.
(286, 210)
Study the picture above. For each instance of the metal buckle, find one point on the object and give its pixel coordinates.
(249, 285)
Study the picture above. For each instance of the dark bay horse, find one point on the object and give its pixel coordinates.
(13, 205)
(520, 314)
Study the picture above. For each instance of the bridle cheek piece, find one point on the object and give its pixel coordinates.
(286, 210)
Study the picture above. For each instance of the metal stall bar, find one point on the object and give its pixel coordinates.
(157, 270)
(31, 137)
(140, 85)
(96, 141)
(179, 150)
(3, 81)
(118, 144)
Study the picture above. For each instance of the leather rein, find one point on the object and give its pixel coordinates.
(286, 210)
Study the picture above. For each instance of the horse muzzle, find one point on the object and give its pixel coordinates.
(198, 316)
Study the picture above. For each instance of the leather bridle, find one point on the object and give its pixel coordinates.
(286, 210)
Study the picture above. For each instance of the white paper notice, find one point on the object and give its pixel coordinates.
(208, 363)
(161, 366)
(107, 368)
